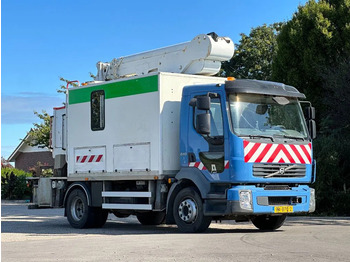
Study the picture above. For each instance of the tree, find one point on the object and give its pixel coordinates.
(254, 54)
(40, 134)
(314, 56)
(334, 140)
(312, 43)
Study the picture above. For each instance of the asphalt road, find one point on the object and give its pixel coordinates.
(45, 235)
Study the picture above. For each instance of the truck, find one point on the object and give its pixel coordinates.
(158, 136)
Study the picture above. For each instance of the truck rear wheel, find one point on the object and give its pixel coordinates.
(151, 218)
(80, 215)
(266, 222)
(188, 211)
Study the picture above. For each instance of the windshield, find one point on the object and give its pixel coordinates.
(274, 117)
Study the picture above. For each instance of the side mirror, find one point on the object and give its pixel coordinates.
(193, 102)
(310, 112)
(203, 124)
(261, 109)
(312, 128)
(203, 103)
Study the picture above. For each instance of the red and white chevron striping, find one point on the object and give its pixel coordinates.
(276, 153)
(201, 166)
(89, 159)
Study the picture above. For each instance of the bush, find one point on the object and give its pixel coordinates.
(14, 184)
(342, 204)
(332, 174)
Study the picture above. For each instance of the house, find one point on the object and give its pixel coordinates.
(26, 156)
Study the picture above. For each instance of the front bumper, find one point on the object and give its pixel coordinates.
(264, 201)
(250, 200)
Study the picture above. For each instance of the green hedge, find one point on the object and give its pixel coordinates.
(14, 184)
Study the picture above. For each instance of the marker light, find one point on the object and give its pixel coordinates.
(231, 78)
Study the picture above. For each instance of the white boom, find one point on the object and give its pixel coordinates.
(201, 56)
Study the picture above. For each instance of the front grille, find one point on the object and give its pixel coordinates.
(278, 201)
(278, 170)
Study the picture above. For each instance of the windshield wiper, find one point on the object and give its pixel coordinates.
(259, 136)
(294, 137)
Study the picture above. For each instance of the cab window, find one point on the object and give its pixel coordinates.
(215, 112)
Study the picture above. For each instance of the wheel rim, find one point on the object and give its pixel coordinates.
(77, 209)
(188, 210)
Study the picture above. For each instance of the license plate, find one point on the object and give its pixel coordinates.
(283, 209)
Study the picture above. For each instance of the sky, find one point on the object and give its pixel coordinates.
(43, 40)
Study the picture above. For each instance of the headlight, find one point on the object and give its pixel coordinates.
(245, 199)
(312, 206)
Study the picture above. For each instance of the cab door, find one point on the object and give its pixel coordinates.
(207, 149)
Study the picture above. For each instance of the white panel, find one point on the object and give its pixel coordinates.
(64, 131)
(127, 206)
(91, 159)
(126, 194)
(132, 157)
(59, 131)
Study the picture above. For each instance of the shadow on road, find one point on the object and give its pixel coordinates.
(18, 219)
(54, 226)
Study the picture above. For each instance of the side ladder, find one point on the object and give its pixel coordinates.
(127, 200)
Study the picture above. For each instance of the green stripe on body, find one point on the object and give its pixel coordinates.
(116, 89)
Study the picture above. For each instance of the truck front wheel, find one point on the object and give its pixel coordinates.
(266, 222)
(188, 211)
(80, 215)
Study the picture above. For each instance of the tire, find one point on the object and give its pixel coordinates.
(266, 222)
(188, 211)
(100, 217)
(80, 215)
(151, 218)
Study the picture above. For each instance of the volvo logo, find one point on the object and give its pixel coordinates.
(282, 170)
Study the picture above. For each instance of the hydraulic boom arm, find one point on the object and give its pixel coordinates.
(201, 56)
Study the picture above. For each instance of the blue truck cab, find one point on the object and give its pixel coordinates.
(245, 153)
